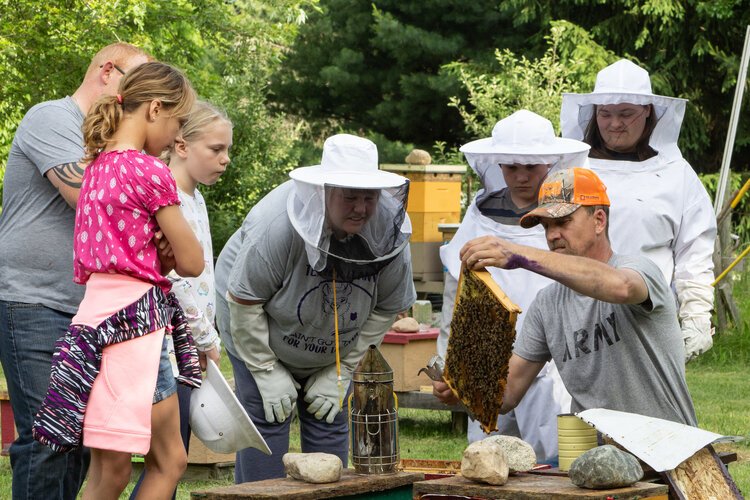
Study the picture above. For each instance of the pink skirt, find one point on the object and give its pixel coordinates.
(118, 413)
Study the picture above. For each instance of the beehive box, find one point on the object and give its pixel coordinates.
(434, 197)
(198, 454)
(425, 226)
(425, 261)
(432, 188)
(480, 345)
(407, 353)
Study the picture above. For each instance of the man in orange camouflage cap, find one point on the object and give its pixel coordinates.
(609, 322)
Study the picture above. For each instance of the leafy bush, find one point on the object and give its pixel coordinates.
(516, 82)
(227, 49)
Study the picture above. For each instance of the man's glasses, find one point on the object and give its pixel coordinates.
(117, 68)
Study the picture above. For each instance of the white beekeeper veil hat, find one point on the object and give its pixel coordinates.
(521, 138)
(349, 163)
(625, 82)
(218, 419)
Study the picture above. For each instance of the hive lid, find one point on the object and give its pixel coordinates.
(426, 169)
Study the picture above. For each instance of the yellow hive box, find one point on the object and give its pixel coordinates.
(424, 225)
(432, 188)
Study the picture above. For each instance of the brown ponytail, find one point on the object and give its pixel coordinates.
(143, 84)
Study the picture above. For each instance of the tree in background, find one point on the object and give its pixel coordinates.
(377, 64)
(692, 50)
(227, 49)
(514, 82)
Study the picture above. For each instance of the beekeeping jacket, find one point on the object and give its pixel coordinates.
(659, 208)
(522, 138)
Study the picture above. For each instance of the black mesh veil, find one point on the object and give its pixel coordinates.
(364, 249)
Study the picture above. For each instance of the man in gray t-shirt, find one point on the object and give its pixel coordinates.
(610, 321)
(38, 297)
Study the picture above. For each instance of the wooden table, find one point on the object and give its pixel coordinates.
(350, 485)
(533, 487)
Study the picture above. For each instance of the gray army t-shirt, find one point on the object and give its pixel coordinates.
(36, 223)
(272, 266)
(615, 356)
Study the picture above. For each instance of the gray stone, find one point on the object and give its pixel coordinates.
(484, 461)
(313, 467)
(605, 467)
(519, 454)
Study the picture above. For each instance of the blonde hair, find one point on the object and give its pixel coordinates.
(143, 84)
(118, 53)
(202, 115)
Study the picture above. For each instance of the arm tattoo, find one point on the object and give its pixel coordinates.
(70, 174)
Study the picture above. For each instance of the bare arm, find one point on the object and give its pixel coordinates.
(586, 276)
(188, 253)
(521, 374)
(67, 179)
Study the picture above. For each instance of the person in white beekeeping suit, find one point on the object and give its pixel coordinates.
(662, 210)
(512, 164)
(316, 274)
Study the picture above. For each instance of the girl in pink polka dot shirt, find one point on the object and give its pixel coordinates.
(127, 198)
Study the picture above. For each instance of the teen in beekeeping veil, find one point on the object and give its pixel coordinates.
(663, 210)
(512, 164)
(322, 260)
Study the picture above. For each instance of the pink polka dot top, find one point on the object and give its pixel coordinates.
(115, 217)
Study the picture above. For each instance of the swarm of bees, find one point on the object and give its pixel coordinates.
(480, 345)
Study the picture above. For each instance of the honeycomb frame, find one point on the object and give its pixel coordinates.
(480, 345)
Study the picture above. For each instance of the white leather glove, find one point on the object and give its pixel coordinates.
(322, 392)
(249, 331)
(322, 387)
(697, 334)
(696, 301)
(278, 389)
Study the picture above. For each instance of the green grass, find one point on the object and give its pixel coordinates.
(722, 403)
(717, 381)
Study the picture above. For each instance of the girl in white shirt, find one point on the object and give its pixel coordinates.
(199, 155)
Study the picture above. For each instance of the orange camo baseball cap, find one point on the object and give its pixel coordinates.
(564, 192)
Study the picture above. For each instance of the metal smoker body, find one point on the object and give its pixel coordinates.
(374, 416)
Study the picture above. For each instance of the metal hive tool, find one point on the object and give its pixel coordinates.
(480, 345)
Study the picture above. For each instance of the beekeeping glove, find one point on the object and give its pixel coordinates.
(322, 388)
(696, 301)
(697, 334)
(277, 387)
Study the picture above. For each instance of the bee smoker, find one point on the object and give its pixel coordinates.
(373, 416)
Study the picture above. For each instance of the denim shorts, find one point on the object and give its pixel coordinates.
(166, 385)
